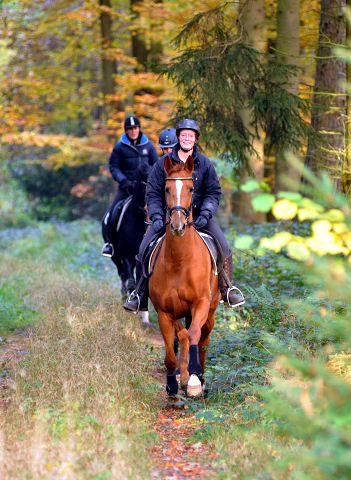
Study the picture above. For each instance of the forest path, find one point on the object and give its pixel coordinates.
(176, 456)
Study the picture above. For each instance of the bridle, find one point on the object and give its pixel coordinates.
(179, 208)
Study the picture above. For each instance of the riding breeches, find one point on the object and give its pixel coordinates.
(210, 227)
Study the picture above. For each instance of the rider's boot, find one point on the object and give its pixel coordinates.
(138, 299)
(107, 250)
(231, 295)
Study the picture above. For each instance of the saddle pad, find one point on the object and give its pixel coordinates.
(152, 247)
(124, 208)
(208, 241)
(212, 248)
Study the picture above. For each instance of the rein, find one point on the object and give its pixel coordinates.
(180, 208)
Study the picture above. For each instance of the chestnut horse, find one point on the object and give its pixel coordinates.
(183, 284)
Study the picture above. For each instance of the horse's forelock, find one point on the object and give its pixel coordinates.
(176, 168)
(179, 167)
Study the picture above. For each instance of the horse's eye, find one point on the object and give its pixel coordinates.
(167, 190)
(191, 189)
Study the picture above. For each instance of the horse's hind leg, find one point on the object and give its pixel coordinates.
(182, 335)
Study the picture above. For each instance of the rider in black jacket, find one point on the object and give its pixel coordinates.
(206, 197)
(132, 149)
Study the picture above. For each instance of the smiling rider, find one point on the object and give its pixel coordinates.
(206, 197)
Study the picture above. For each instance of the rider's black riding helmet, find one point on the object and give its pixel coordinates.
(188, 124)
(131, 122)
(168, 138)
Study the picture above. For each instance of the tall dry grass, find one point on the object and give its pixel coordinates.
(78, 402)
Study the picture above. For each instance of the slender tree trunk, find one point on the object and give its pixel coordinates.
(109, 66)
(139, 47)
(252, 18)
(348, 113)
(288, 53)
(147, 56)
(329, 94)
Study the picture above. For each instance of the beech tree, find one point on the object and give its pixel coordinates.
(252, 16)
(288, 53)
(329, 100)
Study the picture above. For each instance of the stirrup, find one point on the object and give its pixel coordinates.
(131, 297)
(230, 289)
(107, 254)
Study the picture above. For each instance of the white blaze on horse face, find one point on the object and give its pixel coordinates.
(179, 186)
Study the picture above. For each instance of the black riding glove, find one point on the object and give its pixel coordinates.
(157, 224)
(201, 221)
(125, 183)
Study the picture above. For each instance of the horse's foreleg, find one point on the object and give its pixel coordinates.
(182, 335)
(199, 317)
(167, 329)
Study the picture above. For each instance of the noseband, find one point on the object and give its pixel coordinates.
(180, 208)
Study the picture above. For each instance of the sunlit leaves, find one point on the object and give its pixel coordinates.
(243, 242)
(284, 209)
(263, 202)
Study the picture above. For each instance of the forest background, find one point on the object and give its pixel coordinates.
(260, 77)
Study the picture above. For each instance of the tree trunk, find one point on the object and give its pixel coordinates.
(147, 57)
(139, 47)
(329, 100)
(109, 66)
(288, 53)
(252, 18)
(347, 181)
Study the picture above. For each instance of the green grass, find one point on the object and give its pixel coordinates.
(78, 406)
(83, 403)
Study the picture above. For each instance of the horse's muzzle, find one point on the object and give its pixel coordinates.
(179, 231)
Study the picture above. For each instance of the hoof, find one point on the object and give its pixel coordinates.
(194, 387)
(145, 317)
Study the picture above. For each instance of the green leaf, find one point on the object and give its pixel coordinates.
(265, 187)
(292, 196)
(243, 242)
(263, 202)
(250, 186)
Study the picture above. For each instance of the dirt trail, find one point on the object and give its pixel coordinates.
(176, 457)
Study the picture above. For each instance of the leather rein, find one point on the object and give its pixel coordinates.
(180, 208)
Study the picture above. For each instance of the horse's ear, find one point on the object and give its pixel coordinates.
(189, 164)
(168, 165)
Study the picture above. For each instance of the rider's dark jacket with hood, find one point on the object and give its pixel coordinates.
(125, 157)
(207, 189)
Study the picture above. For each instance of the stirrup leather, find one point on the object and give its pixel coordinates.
(231, 289)
(131, 297)
(105, 254)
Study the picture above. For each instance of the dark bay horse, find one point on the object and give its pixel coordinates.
(127, 239)
(183, 284)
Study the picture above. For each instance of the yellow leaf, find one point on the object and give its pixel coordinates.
(307, 214)
(298, 251)
(334, 215)
(321, 227)
(284, 209)
(277, 242)
(340, 227)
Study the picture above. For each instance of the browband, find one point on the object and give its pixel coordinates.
(179, 178)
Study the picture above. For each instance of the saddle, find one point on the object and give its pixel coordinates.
(117, 213)
(209, 240)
